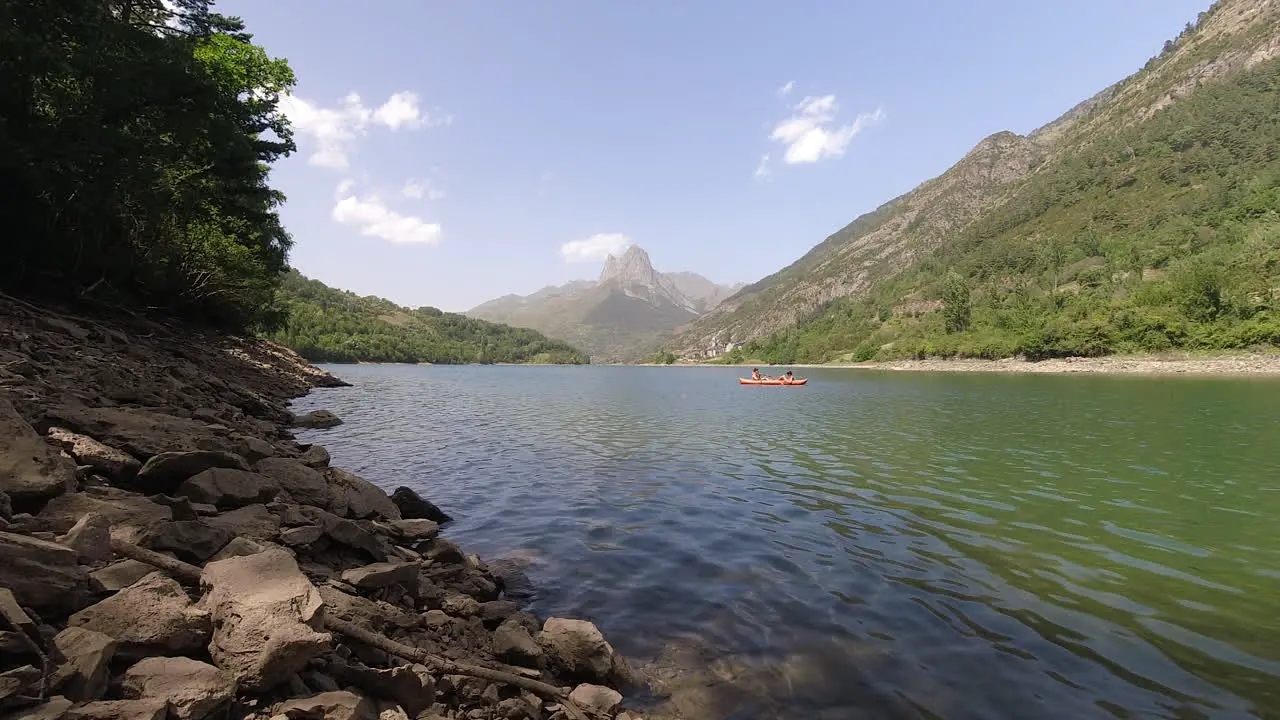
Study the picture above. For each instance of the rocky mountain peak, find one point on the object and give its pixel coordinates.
(632, 269)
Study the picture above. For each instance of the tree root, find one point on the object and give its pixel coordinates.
(191, 573)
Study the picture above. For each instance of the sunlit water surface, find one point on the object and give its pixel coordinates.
(871, 545)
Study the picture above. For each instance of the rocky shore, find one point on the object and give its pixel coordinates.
(168, 550)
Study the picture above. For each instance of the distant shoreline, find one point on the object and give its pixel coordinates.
(1253, 364)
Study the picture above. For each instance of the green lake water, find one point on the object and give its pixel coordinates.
(875, 544)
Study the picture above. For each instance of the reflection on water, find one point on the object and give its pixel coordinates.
(873, 544)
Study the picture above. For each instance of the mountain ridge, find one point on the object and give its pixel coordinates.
(1230, 36)
(622, 315)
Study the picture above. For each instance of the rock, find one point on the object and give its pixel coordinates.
(410, 686)
(166, 471)
(317, 419)
(193, 541)
(373, 615)
(515, 709)
(315, 456)
(151, 616)
(42, 575)
(85, 656)
(266, 616)
(358, 498)
(496, 611)
(128, 514)
(578, 652)
(252, 521)
(53, 709)
(13, 682)
(416, 529)
(181, 507)
(16, 645)
(114, 464)
(31, 471)
(226, 488)
(338, 705)
(459, 605)
(595, 698)
(194, 690)
(413, 506)
(239, 547)
(513, 644)
(146, 709)
(118, 575)
(305, 485)
(382, 574)
(140, 432)
(352, 535)
(17, 618)
(6, 506)
(436, 619)
(90, 538)
(253, 449)
(302, 535)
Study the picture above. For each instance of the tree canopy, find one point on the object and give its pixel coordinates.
(136, 140)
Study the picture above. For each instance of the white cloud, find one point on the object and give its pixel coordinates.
(809, 135)
(785, 90)
(595, 248)
(375, 219)
(334, 129)
(762, 170)
(421, 189)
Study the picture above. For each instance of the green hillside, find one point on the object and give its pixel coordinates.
(328, 325)
(1155, 226)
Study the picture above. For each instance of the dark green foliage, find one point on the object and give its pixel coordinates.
(1148, 237)
(135, 145)
(328, 325)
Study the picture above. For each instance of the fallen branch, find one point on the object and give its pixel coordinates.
(191, 573)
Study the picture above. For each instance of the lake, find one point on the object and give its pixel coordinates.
(875, 544)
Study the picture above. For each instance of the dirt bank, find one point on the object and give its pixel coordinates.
(167, 549)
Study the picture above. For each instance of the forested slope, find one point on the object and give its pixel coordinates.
(135, 143)
(328, 325)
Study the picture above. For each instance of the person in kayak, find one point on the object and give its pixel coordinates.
(788, 377)
(755, 374)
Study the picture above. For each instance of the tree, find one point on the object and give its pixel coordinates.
(956, 309)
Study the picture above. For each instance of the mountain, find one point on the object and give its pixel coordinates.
(328, 325)
(1145, 218)
(622, 315)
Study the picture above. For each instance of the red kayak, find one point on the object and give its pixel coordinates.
(749, 381)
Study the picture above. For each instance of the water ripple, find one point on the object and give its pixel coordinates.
(872, 545)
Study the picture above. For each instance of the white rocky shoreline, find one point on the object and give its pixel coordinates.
(168, 550)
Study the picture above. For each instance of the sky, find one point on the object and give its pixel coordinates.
(453, 152)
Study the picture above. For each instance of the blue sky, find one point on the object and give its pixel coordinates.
(530, 136)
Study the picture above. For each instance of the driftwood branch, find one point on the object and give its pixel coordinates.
(191, 573)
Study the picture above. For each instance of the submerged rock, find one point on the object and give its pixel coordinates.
(317, 419)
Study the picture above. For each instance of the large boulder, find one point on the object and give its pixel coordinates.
(227, 488)
(410, 686)
(255, 522)
(140, 432)
(128, 514)
(84, 655)
(413, 506)
(163, 473)
(358, 498)
(146, 709)
(380, 575)
(577, 651)
(305, 485)
(193, 541)
(596, 698)
(267, 617)
(194, 690)
(90, 538)
(31, 470)
(317, 419)
(335, 705)
(113, 464)
(315, 456)
(152, 616)
(513, 644)
(43, 575)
